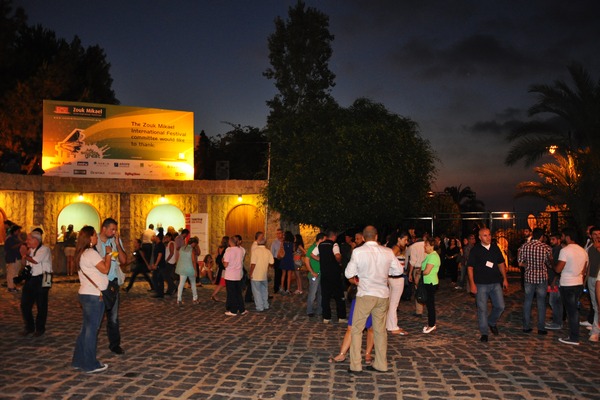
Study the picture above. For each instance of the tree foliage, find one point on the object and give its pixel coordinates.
(335, 167)
(465, 198)
(36, 65)
(245, 148)
(573, 134)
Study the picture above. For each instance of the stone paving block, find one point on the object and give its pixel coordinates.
(283, 354)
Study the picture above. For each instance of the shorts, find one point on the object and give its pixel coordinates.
(369, 322)
(69, 251)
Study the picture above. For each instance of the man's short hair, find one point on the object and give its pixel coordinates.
(568, 232)
(594, 229)
(537, 233)
(108, 222)
(257, 234)
(370, 233)
(185, 232)
(329, 233)
(36, 235)
(320, 236)
(261, 241)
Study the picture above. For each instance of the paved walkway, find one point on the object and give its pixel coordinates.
(195, 352)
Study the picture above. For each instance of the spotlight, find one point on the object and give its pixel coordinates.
(239, 198)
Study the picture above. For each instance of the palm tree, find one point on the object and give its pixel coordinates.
(464, 198)
(574, 136)
(576, 125)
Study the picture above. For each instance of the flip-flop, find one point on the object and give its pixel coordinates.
(368, 359)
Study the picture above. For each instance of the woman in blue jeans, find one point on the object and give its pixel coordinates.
(93, 270)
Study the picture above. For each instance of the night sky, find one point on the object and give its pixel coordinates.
(461, 69)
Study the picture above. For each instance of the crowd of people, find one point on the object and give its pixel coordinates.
(362, 271)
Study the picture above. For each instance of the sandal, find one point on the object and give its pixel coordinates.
(337, 359)
(368, 359)
(213, 298)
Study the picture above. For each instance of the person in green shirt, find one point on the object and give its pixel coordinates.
(430, 267)
(314, 279)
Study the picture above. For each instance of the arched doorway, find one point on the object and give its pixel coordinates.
(166, 215)
(80, 215)
(245, 220)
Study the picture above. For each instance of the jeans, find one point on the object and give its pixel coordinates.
(540, 290)
(396, 288)
(260, 291)
(592, 291)
(430, 303)
(314, 295)
(112, 323)
(33, 292)
(571, 295)
(182, 279)
(84, 356)
(556, 304)
(493, 291)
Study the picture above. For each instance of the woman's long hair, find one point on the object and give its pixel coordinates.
(299, 241)
(84, 242)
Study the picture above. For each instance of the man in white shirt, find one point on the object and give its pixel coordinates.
(371, 263)
(415, 253)
(572, 267)
(39, 260)
(260, 261)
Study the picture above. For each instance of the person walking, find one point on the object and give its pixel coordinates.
(186, 269)
(487, 278)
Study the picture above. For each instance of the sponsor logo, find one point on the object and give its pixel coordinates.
(114, 173)
(96, 173)
(79, 172)
(101, 163)
(131, 174)
(82, 163)
(121, 165)
(85, 111)
(61, 110)
(67, 163)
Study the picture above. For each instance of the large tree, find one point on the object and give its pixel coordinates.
(572, 134)
(36, 65)
(334, 167)
(464, 198)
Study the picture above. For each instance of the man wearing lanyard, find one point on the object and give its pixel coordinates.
(109, 242)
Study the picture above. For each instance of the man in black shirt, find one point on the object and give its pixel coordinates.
(487, 278)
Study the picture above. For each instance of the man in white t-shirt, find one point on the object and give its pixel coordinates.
(572, 265)
(260, 261)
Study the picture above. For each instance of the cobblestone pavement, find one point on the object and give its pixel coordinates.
(196, 352)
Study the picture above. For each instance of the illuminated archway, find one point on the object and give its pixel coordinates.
(245, 220)
(80, 215)
(166, 215)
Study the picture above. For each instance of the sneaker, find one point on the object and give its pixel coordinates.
(594, 337)
(282, 292)
(553, 327)
(326, 321)
(428, 329)
(342, 320)
(101, 368)
(568, 341)
(585, 323)
(230, 314)
(458, 287)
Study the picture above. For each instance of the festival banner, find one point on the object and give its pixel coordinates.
(89, 140)
(197, 224)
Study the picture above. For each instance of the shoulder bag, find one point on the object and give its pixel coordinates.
(108, 295)
(421, 293)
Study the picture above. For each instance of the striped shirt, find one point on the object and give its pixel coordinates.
(537, 258)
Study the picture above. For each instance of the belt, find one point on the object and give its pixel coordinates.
(396, 276)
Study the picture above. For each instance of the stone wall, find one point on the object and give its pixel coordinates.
(38, 201)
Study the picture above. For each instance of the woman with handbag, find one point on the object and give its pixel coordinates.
(93, 275)
(430, 267)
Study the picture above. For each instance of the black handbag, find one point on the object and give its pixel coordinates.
(421, 293)
(108, 295)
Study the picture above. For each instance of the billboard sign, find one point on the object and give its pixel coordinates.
(89, 140)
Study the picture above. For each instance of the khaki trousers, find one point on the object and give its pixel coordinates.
(377, 307)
